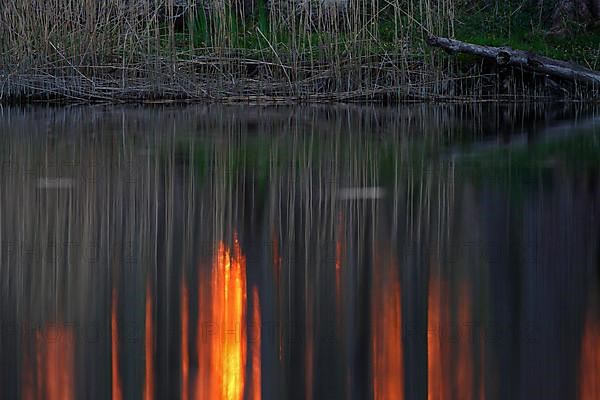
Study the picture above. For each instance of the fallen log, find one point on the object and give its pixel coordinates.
(507, 56)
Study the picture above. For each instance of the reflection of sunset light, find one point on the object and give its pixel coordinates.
(434, 351)
(60, 366)
(464, 373)
(55, 365)
(446, 379)
(386, 314)
(255, 347)
(27, 380)
(149, 348)
(221, 332)
(589, 384)
(114, 340)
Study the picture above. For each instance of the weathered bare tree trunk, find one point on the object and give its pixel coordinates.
(505, 56)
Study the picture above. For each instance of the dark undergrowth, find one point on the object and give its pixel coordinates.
(520, 25)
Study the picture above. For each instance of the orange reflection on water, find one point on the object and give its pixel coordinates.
(221, 342)
(255, 356)
(386, 322)
(450, 353)
(435, 371)
(54, 365)
(589, 367)
(149, 348)
(464, 372)
(114, 344)
(27, 380)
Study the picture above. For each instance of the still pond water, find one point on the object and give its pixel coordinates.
(214, 252)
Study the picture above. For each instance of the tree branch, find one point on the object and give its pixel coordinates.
(519, 58)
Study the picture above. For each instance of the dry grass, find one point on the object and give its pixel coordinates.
(149, 49)
(230, 50)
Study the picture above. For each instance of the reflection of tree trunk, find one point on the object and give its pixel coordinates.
(582, 11)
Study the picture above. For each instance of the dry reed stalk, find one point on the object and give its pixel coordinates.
(131, 50)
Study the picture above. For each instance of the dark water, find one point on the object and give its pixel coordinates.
(424, 252)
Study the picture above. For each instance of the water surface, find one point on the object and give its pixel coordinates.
(206, 252)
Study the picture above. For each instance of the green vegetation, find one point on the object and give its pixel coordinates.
(521, 25)
(309, 50)
(520, 166)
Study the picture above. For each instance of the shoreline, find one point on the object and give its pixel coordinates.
(332, 51)
(69, 96)
(523, 87)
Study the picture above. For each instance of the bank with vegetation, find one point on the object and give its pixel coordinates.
(289, 51)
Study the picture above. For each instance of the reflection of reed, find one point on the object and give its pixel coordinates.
(185, 357)
(451, 356)
(255, 349)
(149, 351)
(149, 214)
(466, 358)
(436, 355)
(336, 276)
(117, 391)
(52, 375)
(386, 317)
(222, 325)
